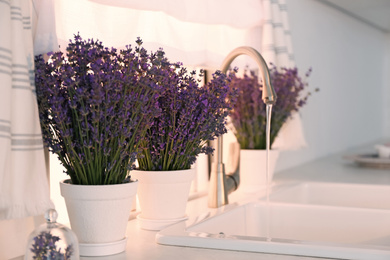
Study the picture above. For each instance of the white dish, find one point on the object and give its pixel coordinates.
(370, 160)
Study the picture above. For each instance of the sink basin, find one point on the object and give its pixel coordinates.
(335, 194)
(299, 220)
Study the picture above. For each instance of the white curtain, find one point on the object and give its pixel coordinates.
(24, 187)
(277, 49)
(276, 38)
(197, 33)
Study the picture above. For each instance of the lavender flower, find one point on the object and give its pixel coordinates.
(190, 116)
(248, 116)
(44, 248)
(95, 105)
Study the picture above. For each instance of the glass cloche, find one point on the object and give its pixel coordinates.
(52, 241)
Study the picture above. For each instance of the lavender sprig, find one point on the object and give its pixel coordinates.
(44, 248)
(191, 115)
(248, 116)
(95, 105)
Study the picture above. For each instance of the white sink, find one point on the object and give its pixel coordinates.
(302, 221)
(336, 194)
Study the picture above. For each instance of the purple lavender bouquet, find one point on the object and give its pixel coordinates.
(95, 106)
(248, 116)
(191, 115)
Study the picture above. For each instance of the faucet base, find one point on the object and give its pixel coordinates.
(217, 189)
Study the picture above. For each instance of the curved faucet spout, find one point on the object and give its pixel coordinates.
(269, 96)
(220, 186)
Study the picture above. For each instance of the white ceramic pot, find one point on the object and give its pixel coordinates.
(99, 214)
(162, 196)
(253, 169)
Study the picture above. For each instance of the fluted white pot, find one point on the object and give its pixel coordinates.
(162, 196)
(99, 214)
(253, 169)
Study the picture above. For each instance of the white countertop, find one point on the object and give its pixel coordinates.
(141, 244)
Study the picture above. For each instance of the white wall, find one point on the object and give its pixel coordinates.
(386, 96)
(348, 58)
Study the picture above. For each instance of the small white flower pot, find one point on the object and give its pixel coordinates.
(253, 169)
(99, 214)
(162, 196)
